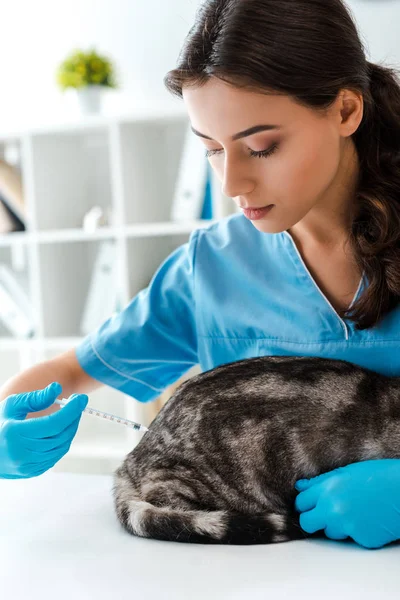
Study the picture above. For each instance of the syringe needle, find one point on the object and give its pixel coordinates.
(108, 416)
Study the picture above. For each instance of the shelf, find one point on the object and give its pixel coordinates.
(56, 236)
(74, 123)
(65, 279)
(128, 165)
(167, 228)
(150, 155)
(71, 174)
(74, 235)
(155, 249)
(17, 237)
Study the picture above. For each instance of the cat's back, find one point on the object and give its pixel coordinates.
(267, 386)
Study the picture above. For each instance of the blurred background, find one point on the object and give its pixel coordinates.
(142, 38)
(100, 179)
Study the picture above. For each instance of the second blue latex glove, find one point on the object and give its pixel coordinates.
(360, 500)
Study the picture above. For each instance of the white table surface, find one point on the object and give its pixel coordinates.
(59, 539)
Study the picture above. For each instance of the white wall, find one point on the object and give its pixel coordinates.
(142, 36)
(378, 21)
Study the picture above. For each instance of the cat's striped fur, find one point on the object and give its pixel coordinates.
(221, 458)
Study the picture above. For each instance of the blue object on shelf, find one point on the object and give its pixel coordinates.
(207, 211)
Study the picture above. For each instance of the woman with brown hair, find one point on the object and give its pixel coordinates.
(304, 134)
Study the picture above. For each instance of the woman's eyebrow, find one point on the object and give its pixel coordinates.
(244, 133)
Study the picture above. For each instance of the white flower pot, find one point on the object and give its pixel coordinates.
(89, 99)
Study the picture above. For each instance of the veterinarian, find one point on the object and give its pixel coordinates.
(304, 134)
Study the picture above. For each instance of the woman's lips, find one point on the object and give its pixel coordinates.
(257, 213)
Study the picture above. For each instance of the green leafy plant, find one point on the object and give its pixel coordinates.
(81, 69)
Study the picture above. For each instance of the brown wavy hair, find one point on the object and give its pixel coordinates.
(310, 50)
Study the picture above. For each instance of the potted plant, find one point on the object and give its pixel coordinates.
(89, 74)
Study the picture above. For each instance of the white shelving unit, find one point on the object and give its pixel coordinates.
(127, 165)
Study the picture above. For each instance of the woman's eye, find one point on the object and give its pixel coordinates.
(259, 154)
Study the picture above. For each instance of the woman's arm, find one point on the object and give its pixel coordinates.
(64, 368)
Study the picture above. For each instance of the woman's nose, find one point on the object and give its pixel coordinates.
(235, 182)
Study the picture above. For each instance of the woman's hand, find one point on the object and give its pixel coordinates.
(29, 447)
(360, 500)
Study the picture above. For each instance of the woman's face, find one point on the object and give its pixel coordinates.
(304, 152)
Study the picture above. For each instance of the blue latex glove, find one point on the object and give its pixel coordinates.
(30, 447)
(360, 500)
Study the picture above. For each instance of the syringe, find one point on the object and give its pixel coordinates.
(104, 415)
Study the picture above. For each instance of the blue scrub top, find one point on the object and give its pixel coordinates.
(231, 292)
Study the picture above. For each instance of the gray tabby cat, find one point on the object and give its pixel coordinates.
(221, 458)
